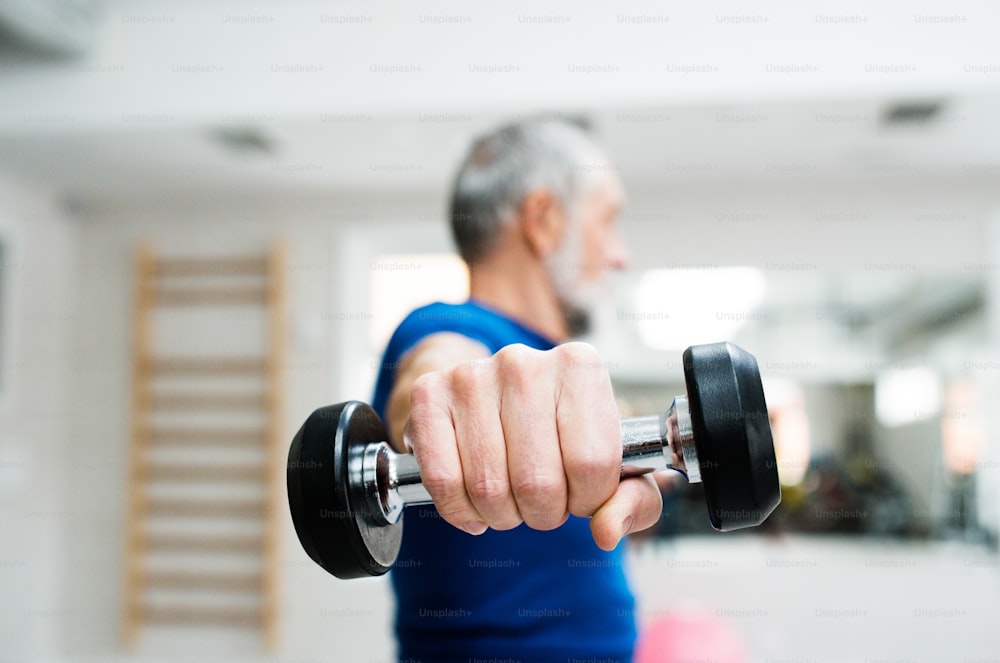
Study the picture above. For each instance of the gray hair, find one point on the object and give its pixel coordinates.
(502, 167)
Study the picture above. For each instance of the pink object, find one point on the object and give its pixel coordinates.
(689, 637)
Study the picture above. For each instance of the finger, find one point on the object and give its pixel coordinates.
(430, 433)
(481, 445)
(589, 429)
(534, 457)
(636, 505)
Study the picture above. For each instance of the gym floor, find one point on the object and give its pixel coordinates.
(796, 599)
(789, 600)
(831, 600)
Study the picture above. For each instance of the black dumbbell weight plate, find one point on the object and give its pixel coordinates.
(732, 435)
(329, 511)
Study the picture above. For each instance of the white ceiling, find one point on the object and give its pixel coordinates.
(374, 97)
(652, 146)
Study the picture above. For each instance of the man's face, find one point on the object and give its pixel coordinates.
(591, 245)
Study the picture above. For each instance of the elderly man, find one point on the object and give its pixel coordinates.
(515, 428)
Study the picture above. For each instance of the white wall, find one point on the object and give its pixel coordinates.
(322, 615)
(809, 231)
(315, 619)
(38, 315)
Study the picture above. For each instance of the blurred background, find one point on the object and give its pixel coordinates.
(212, 214)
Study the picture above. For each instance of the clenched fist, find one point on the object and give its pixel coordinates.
(526, 436)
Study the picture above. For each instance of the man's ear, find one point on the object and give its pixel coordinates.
(542, 222)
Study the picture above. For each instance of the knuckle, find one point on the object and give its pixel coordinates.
(516, 359)
(425, 415)
(424, 390)
(515, 354)
(596, 463)
(465, 379)
(592, 479)
(579, 355)
(441, 484)
(594, 473)
(520, 367)
(541, 501)
(488, 490)
(537, 488)
(451, 501)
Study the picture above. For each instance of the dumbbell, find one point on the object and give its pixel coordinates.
(347, 487)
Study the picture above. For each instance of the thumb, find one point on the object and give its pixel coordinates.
(636, 505)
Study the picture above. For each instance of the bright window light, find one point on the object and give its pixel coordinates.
(904, 396)
(786, 407)
(400, 283)
(681, 307)
(964, 432)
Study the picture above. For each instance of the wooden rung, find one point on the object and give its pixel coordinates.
(235, 582)
(203, 472)
(208, 401)
(209, 296)
(203, 544)
(195, 437)
(209, 266)
(201, 616)
(205, 508)
(206, 366)
(180, 525)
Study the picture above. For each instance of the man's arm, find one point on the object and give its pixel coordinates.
(436, 352)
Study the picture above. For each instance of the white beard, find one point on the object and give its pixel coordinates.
(577, 298)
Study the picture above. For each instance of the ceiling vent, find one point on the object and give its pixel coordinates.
(911, 113)
(244, 140)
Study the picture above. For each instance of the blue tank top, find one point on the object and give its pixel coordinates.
(519, 595)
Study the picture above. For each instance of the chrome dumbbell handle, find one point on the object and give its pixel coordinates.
(657, 442)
